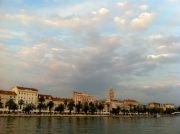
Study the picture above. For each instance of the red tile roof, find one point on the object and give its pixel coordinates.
(129, 100)
(45, 96)
(154, 103)
(58, 99)
(168, 104)
(27, 88)
(7, 92)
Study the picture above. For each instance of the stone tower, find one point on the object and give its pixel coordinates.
(111, 93)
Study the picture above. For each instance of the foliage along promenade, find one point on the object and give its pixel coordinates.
(85, 108)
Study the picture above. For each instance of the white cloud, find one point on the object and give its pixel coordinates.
(156, 37)
(143, 7)
(143, 20)
(161, 47)
(123, 5)
(120, 20)
(11, 34)
(103, 11)
(159, 56)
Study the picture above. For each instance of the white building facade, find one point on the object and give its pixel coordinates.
(28, 95)
(82, 97)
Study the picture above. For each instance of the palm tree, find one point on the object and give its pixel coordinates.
(100, 107)
(60, 108)
(50, 105)
(85, 107)
(178, 108)
(78, 107)
(118, 110)
(70, 106)
(131, 108)
(29, 108)
(65, 103)
(41, 104)
(21, 102)
(11, 105)
(92, 107)
(1, 104)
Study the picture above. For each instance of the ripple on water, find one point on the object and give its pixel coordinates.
(89, 125)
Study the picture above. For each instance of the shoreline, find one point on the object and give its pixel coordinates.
(83, 115)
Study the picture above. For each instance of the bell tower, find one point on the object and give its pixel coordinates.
(111, 93)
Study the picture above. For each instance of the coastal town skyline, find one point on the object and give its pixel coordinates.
(58, 46)
(110, 95)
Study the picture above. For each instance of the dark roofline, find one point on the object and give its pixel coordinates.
(26, 88)
(7, 92)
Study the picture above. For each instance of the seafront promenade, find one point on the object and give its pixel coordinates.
(85, 115)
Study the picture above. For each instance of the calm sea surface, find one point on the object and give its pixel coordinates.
(89, 125)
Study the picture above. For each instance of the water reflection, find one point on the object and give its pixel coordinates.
(88, 125)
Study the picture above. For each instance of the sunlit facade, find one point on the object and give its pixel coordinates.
(5, 96)
(82, 97)
(28, 95)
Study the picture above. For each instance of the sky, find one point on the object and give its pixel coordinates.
(59, 46)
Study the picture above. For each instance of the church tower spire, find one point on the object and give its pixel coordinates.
(111, 93)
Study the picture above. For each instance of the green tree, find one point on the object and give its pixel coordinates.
(118, 109)
(65, 103)
(60, 108)
(124, 111)
(29, 108)
(92, 108)
(178, 108)
(100, 107)
(1, 104)
(78, 107)
(70, 106)
(85, 107)
(41, 104)
(169, 110)
(21, 102)
(11, 105)
(132, 110)
(50, 105)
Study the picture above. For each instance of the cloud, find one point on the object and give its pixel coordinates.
(81, 47)
(102, 11)
(156, 37)
(143, 20)
(120, 20)
(164, 58)
(143, 7)
(158, 56)
(124, 5)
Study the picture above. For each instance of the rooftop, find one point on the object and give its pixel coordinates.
(154, 103)
(26, 88)
(45, 95)
(58, 99)
(82, 93)
(129, 100)
(7, 92)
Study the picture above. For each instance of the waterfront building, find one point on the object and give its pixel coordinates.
(82, 97)
(46, 97)
(58, 101)
(116, 103)
(5, 96)
(130, 102)
(154, 105)
(168, 106)
(28, 95)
